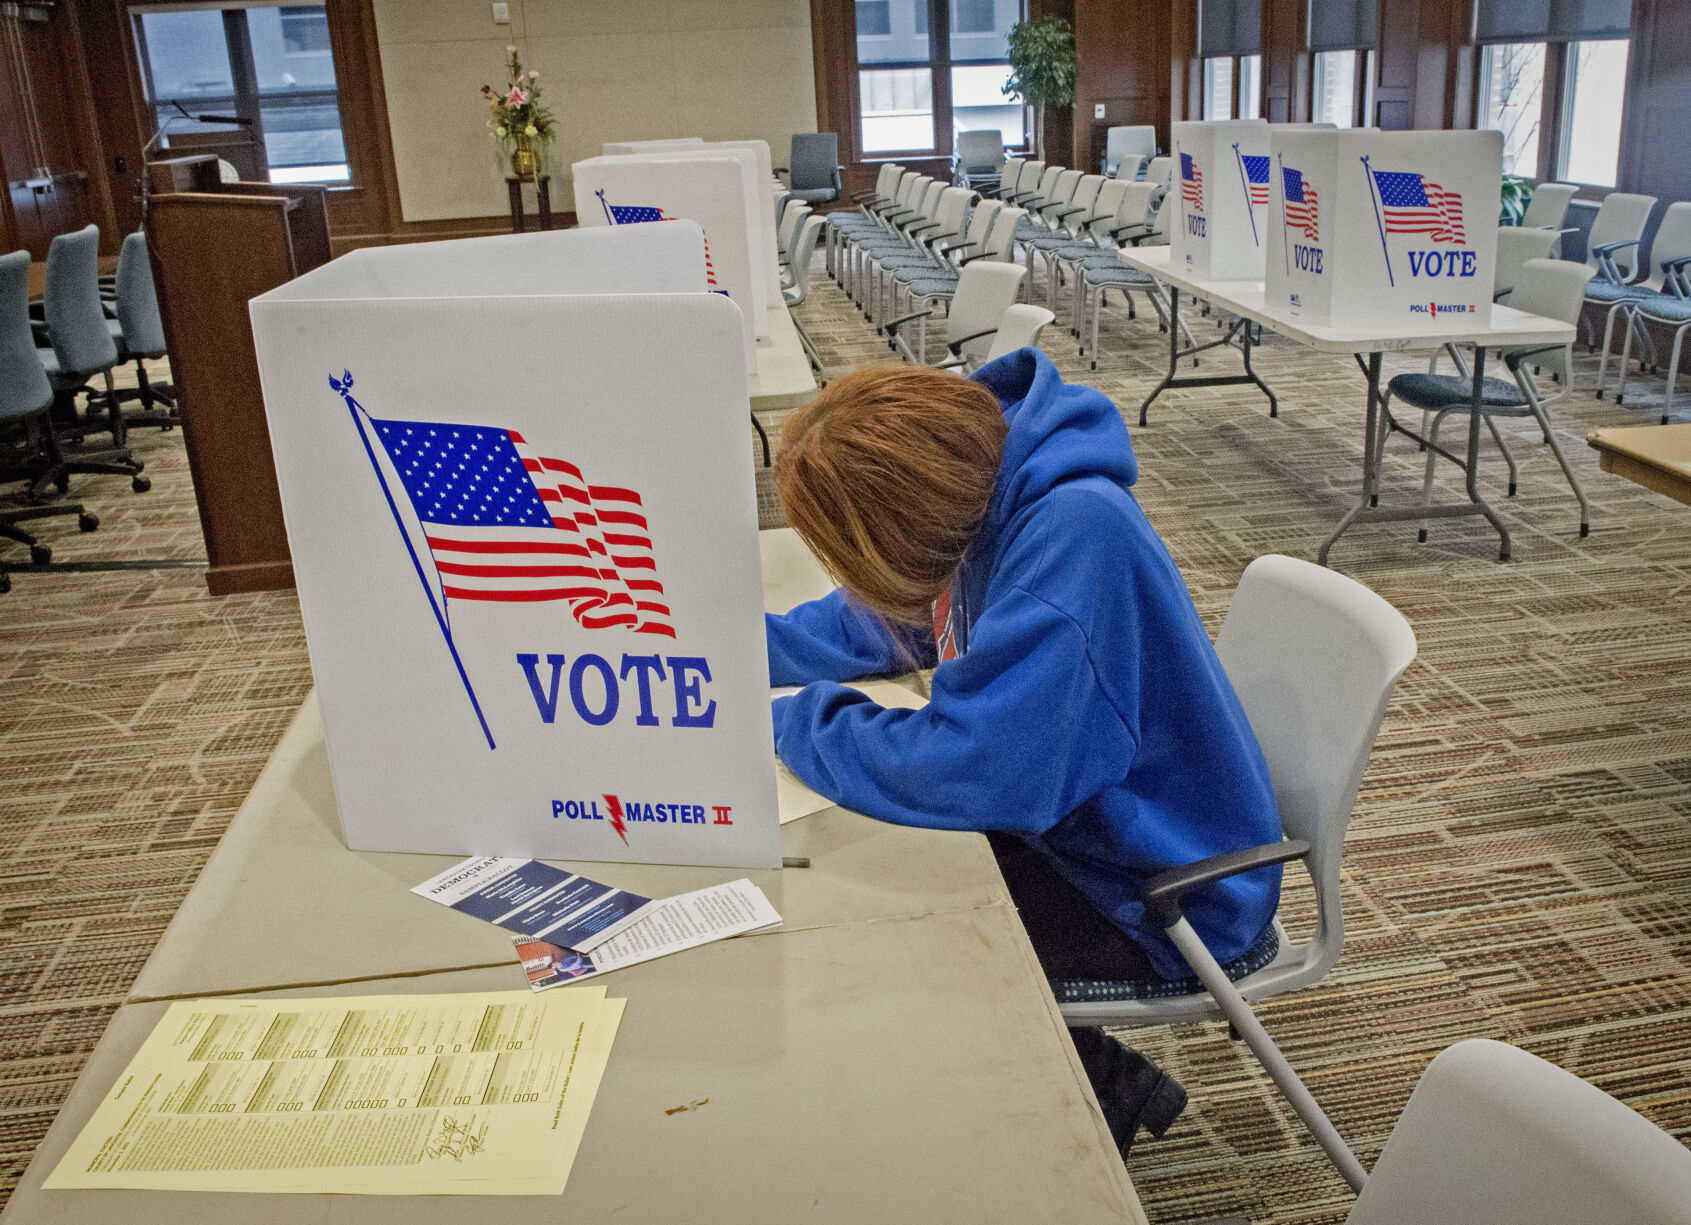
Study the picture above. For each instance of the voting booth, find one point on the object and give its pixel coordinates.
(1221, 175)
(615, 148)
(524, 532)
(717, 188)
(1383, 229)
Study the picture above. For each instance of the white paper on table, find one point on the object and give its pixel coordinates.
(796, 800)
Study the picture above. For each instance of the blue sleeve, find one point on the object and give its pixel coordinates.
(1017, 734)
(831, 639)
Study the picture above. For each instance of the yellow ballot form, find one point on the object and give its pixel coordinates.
(485, 1093)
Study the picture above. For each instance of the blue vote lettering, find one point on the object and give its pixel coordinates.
(1443, 263)
(1195, 226)
(688, 675)
(1307, 259)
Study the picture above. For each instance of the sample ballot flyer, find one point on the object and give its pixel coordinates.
(377, 1095)
(535, 899)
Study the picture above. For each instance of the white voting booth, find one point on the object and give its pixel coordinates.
(524, 534)
(616, 148)
(1222, 180)
(715, 187)
(1371, 229)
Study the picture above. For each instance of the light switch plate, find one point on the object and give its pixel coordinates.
(1097, 110)
(501, 14)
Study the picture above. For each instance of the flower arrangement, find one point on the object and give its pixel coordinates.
(522, 126)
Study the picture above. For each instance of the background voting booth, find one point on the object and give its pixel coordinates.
(527, 553)
(1222, 176)
(718, 188)
(1382, 229)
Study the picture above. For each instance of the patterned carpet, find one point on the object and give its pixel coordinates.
(1519, 866)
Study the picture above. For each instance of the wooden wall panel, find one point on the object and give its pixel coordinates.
(1122, 59)
(1185, 69)
(1658, 102)
(1285, 61)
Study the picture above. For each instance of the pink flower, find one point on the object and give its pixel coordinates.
(516, 97)
(511, 50)
(533, 75)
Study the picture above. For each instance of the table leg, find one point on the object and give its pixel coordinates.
(544, 191)
(1273, 401)
(515, 187)
(1175, 353)
(1173, 350)
(1369, 450)
(1474, 425)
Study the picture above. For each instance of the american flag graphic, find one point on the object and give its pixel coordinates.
(1302, 210)
(945, 629)
(1415, 205)
(1256, 176)
(635, 214)
(1191, 183)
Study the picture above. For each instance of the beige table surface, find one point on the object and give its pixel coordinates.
(891, 1053)
(1655, 456)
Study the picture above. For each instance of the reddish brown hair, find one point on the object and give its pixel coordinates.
(886, 475)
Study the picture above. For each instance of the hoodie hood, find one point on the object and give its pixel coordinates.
(1058, 432)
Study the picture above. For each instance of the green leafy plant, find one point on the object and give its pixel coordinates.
(1042, 68)
(1516, 195)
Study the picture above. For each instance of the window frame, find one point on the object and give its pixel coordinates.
(1236, 66)
(1362, 87)
(940, 64)
(1553, 121)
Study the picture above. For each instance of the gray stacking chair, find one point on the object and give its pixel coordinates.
(1496, 1135)
(1664, 297)
(25, 398)
(978, 162)
(1612, 251)
(1547, 209)
(1132, 146)
(940, 283)
(1103, 273)
(814, 176)
(1159, 170)
(1552, 288)
(1314, 657)
(948, 224)
(1026, 186)
(1068, 225)
(881, 196)
(81, 346)
(139, 333)
(1008, 176)
(802, 251)
(985, 290)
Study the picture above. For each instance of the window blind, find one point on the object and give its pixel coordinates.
(1343, 25)
(1229, 27)
(1553, 21)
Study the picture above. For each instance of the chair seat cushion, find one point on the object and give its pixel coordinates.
(923, 272)
(1051, 242)
(1075, 252)
(933, 288)
(1117, 274)
(1666, 307)
(814, 195)
(1607, 291)
(1093, 990)
(1441, 391)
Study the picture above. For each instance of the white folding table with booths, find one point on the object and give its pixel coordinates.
(1247, 302)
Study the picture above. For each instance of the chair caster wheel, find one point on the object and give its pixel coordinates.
(87, 523)
(40, 554)
(1511, 488)
(1373, 500)
(62, 485)
(140, 484)
(1599, 393)
(1584, 530)
(1421, 536)
(5, 582)
(1503, 555)
(1620, 397)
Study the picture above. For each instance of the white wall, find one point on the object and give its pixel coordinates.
(610, 70)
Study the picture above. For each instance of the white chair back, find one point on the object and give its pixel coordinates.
(791, 218)
(1314, 657)
(985, 290)
(1672, 241)
(1045, 188)
(1019, 328)
(1085, 198)
(800, 253)
(1108, 209)
(1062, 191)
(1161, 222)
(1121, 144)
(1555, 289)
(1032, 173)
(980, 226)
(1137, 206)
(1620, 218)
(1012, 171)
(1001, 239)
(1515, 246)
(952, 213)
(1159, 170)
(1548, 207)
(1497, 1135)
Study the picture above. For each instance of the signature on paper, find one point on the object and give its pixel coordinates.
(456, 1140)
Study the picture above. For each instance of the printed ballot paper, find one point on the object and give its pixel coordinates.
(472, 1094)
(681, 922)
(537, 900)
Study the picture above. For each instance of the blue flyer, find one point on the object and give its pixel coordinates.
(536, 900)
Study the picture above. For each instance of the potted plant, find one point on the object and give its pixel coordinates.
(1517, 192)
(1042, 68)
(521, 125)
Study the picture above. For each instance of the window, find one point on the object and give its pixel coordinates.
(1593, 89)
(1512, 101)
(1218, 87)
(1250, 87)
(901, 67)
(270, 66)
(1334, 99)
(1230, 43)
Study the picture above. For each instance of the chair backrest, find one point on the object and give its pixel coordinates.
(1137, 205)
(1131, 167)
(981, 151)
(1137, 141)
(1620, 218)
(1046, 185)
(1497, 1135)
(1019, 327)
(1062, 191)
(137, 299)
(1001, 239)
(1032, 174)
(1672, 240)
(24, 388)
(1555, 289)
(980, 225)
(814, 156)
(1108, 208)
(927, 204)
(886, 182)
(1161, 222)
(76, 322)
(1085, 198)
(1314, 657)
(1159, 170)
(1548, 207)
(1010, 174)
(803, 248)
(791, 219)
(1515, 246)
(985, 290)
(953, 212)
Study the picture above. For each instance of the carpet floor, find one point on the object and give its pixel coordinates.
(1519, 865)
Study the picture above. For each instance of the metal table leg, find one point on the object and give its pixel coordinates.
(1176, 353)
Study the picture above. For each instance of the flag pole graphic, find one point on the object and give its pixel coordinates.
(1246, 184)
(1368, 171)
(344, 386)
(608, 218)
(1285, 238)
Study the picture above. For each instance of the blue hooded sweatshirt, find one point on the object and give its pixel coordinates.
(1087, 711)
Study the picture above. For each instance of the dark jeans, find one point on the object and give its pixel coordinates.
(1072, 939)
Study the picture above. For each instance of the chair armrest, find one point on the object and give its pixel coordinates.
(1123, 229)
(956, 346)
(1514, 360)
(1067, 212)
(1609, 248)
(892, 325)
(1502, 293)
(1674, 265)
(1164, 890)
(922, 229)
(962, 246)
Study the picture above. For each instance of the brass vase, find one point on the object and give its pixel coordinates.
(524, 163)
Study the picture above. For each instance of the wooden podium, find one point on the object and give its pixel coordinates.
(214, 246)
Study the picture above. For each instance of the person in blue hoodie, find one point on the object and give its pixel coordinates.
(1079, 715)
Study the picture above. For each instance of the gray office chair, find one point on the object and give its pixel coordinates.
(978, 163)
(1612, 250)
(1314, 657)
(25, 398)
(139, 333)
(802, 251)
(1133, 146)
(814, 176)
(81, 346)
(1664, 297)
(985, 290)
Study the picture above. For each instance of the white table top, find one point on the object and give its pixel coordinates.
(1508, 328)
(781, 377)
